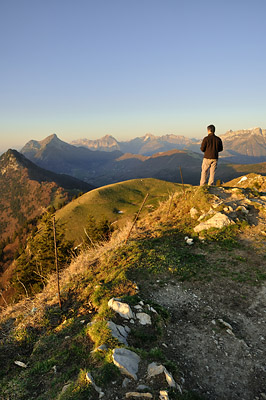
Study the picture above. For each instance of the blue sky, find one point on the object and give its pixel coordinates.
(87, 68)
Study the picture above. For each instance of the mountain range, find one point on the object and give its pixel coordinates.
(106, 167)
(146, 145)
(242, 146)
(101, 168)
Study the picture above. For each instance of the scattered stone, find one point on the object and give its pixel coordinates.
(144, 319)
(153, 310)
(97, 388)
(163, 395)
(125, 382)
(226, 324)
(54, 369)
(188, 240)
(138, 307)
(119, 332)
(127, 361)
(155, 369)
(136, 394)
(103, 347)
(228, 209)
(143, 387)
(193, 212)
(263, 395)
(20, 364)
(219, 221)
(123, 309)
(169, 378)
(244, 178)
(141, 303)
(64, 389)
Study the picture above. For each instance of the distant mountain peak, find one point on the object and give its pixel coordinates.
(148, 136)
(11, 160)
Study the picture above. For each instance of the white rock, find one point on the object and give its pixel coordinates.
(189, 241)
(97, 388)
(144, 319)
(123, 309)
(127, 361)
(138, 307)
(125, 382)
(230, 332)
(155, 369)
(219, 221)
(136, 395)
(143, 387)
(193, 212)
(244, 178)
(119, 332)
(169, 378)
(20, 364)
(226, 324)
(163, 395)
(64, 389)
(103, 347)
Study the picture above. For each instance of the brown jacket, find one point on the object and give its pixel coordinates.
(211, 145)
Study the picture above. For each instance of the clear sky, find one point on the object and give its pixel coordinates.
(87, 68)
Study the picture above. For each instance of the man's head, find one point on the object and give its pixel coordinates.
(211, 129)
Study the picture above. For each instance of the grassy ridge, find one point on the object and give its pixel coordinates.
(116, 202)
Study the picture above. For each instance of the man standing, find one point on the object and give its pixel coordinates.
(211, 145)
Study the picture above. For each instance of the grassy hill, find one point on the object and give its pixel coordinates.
(117, 202)
(206, 301)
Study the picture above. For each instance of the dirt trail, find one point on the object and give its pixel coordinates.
(217, 361)
(217, 330)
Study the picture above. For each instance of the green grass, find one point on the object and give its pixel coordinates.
(108, 200)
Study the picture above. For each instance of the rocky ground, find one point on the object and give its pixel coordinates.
(217, 330)
(216, 333)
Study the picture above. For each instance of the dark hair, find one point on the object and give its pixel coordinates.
(211, 128)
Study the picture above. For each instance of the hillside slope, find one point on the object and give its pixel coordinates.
(200, 295)
(117, 202)
(26, 190)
